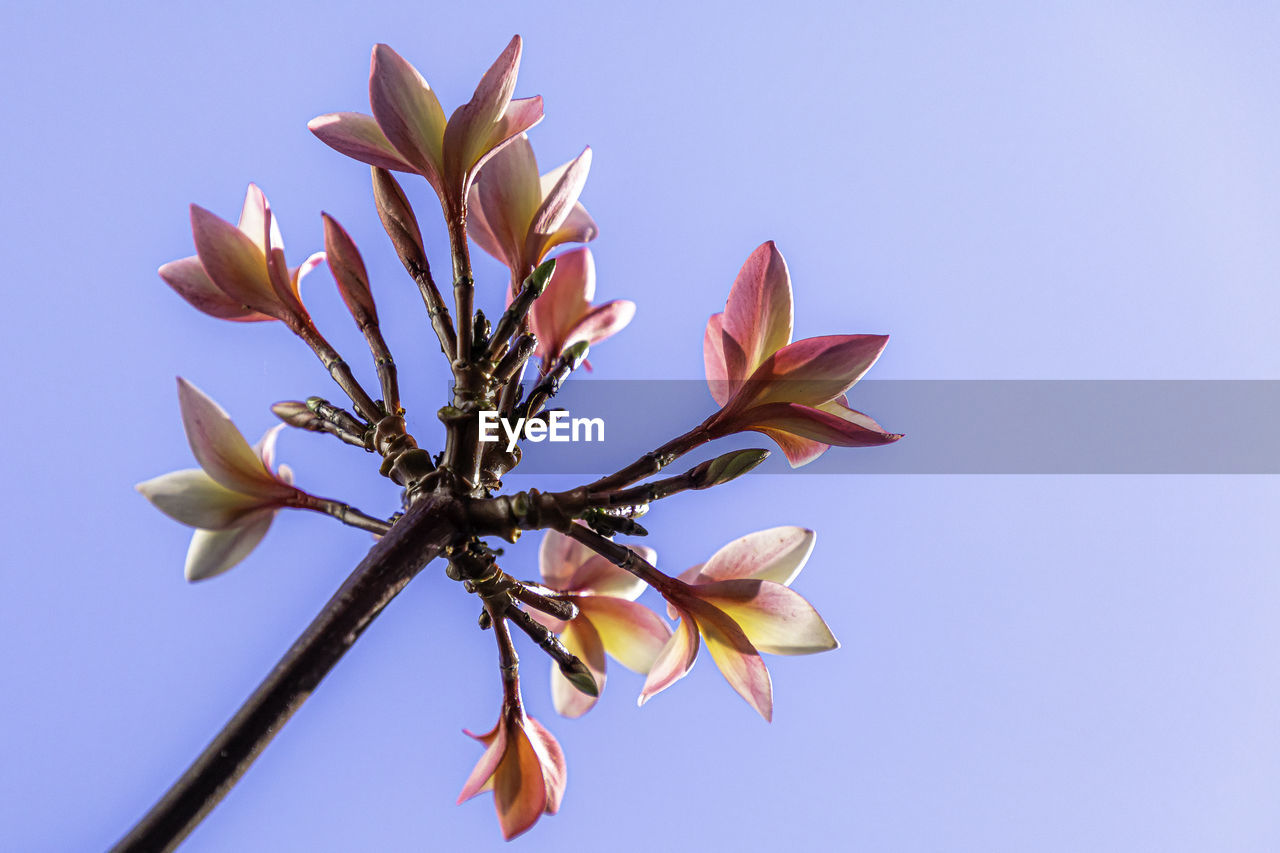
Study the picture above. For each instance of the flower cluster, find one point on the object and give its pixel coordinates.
(584, 607)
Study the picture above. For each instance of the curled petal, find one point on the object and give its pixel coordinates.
(359, 137)
(812, 423)
(713, 358)
(194, 498)
(507, 195)
(257, 223)
(551, 757)
(799, 451)
(519, 787)
(602, 322)
(565, 300)
(629, 631)
(581, 639)
(777, 554)
(758, 312)
(735, 656)
(674, 660)
(220, 448)
(407, 111)
(560, 189)
(776, 620)
(213, 552)
(296, 274)
(189, 280)
(811, 371)
(481, 778)
(578, 227)
(520, 115)
(470, 126)
(233, 262)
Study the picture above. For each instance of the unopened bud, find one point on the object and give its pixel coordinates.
(348, 271)
(398, 219)
(537, 280)
(726, 467)
(580, 677)
(575, 354)
(296, 414)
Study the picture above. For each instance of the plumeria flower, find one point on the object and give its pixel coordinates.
(517, 216)
(740, 604)
(238, 271)
(524, 767)
(608, 620)
(408, 131)
(792, 392)
(563, 315)
(232, 497)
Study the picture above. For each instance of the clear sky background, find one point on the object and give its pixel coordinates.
(1053, 191)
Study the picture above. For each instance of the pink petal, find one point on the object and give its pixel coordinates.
(348, 271)
(799, 451)
(581, 639)
(674, 660)
(478, 229)
(629, 631)
(811, 423)
(407, 112)
(359, 137)
(551, 757)
(737, 659)
(466, 137)
(564, 302)
(776, 620)
(266, 447)
(194, 498)
(189, 280)
(559, 557)
(213, 552)
(519, 786)
(256, 222)
(758, 312)
(297, 273)
(233, 262)
(598, 576)
(713, 360)
(508, 195)
(558, 199)
(840, 408)
(578, 227)
(811, 371)
(602, 322)
(520, 115)
(220, 448)
(777, 554)
(482, 775)
(291, 310)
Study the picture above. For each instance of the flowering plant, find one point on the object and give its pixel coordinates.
(584, 605)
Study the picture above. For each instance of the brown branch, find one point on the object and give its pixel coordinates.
(418, 537)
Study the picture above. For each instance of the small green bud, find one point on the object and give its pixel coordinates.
(580, 677)
(575, 354)
(537, 280)
(726, 467)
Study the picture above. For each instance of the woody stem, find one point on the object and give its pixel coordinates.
(424, 531)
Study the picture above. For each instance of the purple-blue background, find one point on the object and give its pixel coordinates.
(1028, 663)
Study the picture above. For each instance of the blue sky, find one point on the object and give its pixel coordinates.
(1059, 191)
